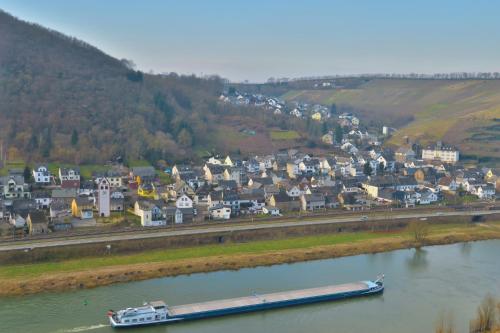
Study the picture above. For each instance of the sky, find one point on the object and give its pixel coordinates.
(258, 39)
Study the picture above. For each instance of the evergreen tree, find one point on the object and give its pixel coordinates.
(367, 169)
(28, 177)
(333, 108)
(339, 133)
(381, 168)
(324, 128)
(74, 138)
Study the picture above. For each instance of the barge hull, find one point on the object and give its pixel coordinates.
(253, 303)
(272, 301)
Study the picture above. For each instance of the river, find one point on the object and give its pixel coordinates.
(421, 286)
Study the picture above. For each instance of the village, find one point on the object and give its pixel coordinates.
(357, 175)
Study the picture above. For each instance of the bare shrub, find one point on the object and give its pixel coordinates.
(486, 316)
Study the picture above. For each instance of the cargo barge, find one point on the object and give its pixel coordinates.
(157, 312)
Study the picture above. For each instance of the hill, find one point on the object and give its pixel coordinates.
(465, 113)
(64, 100)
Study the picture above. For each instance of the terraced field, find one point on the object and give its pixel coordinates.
(464, 113)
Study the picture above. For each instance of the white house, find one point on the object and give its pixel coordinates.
(220, 212)
(69, 174)
(427, 197)
(294, 192)
(150, 214)
(184, 202)
(270, 210)
(41, 174)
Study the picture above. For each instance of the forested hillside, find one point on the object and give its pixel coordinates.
(62, 99)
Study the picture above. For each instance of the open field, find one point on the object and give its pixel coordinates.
(284, 135)
(92, 272)
(463, 113)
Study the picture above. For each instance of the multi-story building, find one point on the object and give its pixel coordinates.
(440, 152)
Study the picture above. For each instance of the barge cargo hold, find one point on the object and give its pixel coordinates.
(158, 312)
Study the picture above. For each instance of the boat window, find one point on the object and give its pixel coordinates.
(150, 318)
(134, 320)
(141, 319)
(126, 320)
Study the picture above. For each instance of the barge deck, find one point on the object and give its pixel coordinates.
(159, 313)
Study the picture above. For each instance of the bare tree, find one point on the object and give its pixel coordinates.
(486, 316)
(419, 230)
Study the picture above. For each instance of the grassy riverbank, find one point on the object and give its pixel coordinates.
(92, 272)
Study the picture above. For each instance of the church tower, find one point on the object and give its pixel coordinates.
(103, 197)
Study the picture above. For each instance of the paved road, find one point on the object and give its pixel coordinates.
(210, 229)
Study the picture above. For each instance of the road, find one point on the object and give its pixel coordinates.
(228, 228)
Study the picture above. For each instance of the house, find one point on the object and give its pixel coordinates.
(233, 161)
(150, 214)
(82, 208)
(147, 190)
(312, 202)
(202, 194)
(176, 215)
(63, 195)
(376, 183)
(426, 196)
(293, 191)
(178, 189)
(41, 174)
(252, 166)
(114, 178)
(258, 182)
(143, 174)
(42, 199)
(252, 201)
(116, 204)
(59, 211)
(284, 203)
(37, 222)
(310, 166)
(406, 183)
(18, 220)
(403, 155)
(485, 191)
(213, 172)
(234, 173)
(180, 169)
(316, 116)
(69, 178)
(14, 187)
(447, 184)
(292, 169)
(220, 212)
(269, 210)
(184, 202)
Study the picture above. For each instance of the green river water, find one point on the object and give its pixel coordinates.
(421, 285)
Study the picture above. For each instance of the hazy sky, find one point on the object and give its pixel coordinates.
(257, 39)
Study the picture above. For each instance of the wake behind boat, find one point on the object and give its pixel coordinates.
(158, 312)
